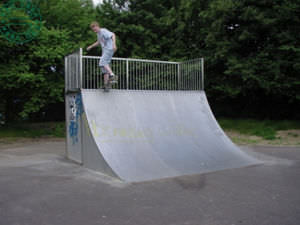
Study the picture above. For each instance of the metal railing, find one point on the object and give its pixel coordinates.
(134, 74)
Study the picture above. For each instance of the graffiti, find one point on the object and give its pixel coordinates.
(76, 110)
(106, 133)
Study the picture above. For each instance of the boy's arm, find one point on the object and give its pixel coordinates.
(114, 42)
(92, 46)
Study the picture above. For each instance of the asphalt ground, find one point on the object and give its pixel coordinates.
(39, 186)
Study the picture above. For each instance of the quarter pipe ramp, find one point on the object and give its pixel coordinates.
(145, 135)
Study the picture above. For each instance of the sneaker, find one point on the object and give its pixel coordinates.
(113, 79)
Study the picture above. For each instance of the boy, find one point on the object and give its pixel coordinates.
(107, 40)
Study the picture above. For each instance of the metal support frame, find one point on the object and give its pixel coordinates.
(80, 68)
(127, 75)
(202, 73)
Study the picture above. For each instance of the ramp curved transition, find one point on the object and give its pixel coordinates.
(146, 135)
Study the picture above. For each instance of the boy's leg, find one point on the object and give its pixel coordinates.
(105, 60)
(108, 69)
(112, 77)
(103, 72)
(106, 78)
(107, 85)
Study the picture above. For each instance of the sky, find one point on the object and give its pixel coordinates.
(97, 1)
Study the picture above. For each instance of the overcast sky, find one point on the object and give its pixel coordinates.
(97, 1)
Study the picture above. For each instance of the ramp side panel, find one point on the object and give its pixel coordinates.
(73, 126)
(92, 157)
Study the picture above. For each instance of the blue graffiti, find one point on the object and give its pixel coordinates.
(73, 131)
(76, 110)
(78, 102)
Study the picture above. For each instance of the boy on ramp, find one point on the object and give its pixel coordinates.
(107, 40)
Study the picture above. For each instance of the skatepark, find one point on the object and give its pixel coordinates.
(145, 154)
(156, 123)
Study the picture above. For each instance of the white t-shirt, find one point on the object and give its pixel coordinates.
(104, 37)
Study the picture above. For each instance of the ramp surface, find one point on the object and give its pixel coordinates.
(146, 135)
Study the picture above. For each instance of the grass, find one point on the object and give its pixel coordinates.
(33, 130)
(266, 129)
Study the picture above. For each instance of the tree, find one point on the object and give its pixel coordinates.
(32, 73)
(251, 50)
(253, 55)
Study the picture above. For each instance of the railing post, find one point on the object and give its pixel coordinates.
(178, 74)
(127, 74)
(80, 68)
(66, 75)
(202, 74)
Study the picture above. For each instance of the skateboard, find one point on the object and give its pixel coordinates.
(108, 86)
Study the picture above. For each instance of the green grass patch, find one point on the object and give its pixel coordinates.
(33, 130)
(266, 129)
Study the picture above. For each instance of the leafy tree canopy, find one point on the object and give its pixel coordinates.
(251, 50)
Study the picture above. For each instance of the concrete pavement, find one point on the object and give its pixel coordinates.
(38, 186)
